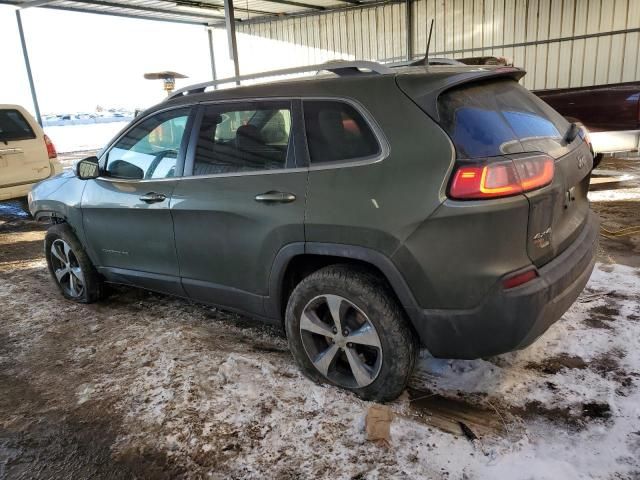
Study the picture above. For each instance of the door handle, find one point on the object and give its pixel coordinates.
(153, 197)
(275, 197)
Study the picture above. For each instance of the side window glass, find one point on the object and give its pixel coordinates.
(150, 149)
(243, 138)
(336, 131)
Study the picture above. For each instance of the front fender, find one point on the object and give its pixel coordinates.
(59, 197)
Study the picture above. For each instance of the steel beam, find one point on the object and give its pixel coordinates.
(34, 3)
(230, 24)
(408, 20)
(355, 5)
(136, 16)
(27, 65)
(212, 6)
(142, 8)
(298, 4)
(214, 77)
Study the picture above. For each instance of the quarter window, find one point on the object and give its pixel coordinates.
(243, 138)
(336, 132)
(150, 149)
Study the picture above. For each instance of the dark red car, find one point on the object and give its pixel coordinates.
(610, 112)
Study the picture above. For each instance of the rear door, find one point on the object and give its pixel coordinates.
(23, 154)
(500, 119)
(244, 201)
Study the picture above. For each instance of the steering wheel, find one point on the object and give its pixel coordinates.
(156, 161)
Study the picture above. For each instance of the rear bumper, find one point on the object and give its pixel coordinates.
(615, 142)
(15, 191)
(511, 319)
(22, 190)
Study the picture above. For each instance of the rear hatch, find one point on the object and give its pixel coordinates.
(496, 120)
(23, 153)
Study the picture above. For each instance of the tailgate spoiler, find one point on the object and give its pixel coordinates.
(425, 87)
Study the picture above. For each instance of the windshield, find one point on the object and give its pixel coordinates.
(500, 117)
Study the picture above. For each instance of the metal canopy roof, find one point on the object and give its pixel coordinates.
(196, 12)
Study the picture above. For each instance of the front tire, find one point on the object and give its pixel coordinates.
(70, 267)
(346, 328)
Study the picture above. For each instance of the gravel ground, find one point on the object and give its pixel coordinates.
(147, 386)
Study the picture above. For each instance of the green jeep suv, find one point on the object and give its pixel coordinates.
(370, 212)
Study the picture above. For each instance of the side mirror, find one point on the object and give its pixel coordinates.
(88, 168)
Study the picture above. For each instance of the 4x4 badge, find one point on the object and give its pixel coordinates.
(542, 239)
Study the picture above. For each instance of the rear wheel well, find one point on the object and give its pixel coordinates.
(301, 266)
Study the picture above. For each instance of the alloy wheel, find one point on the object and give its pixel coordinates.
(341, 342)
(66, 268)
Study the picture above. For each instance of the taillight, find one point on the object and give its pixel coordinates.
(51, 149)
(501, 178)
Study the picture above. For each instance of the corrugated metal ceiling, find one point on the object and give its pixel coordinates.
(201, 12)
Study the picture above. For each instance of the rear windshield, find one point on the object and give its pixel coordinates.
(13, 126)
(500, 117)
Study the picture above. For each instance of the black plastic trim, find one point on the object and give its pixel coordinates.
(228, 297)
(150, 281)
(273, 303)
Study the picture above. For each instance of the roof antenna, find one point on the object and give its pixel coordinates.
(425, 61)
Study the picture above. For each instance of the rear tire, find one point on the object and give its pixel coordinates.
(597, 160)
(70, 267)
(374, 354)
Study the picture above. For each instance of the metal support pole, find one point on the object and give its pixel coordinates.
(408, 19)
(214, 77)
(27, 65)
(230, 22)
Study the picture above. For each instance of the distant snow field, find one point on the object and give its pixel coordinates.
(74, 138)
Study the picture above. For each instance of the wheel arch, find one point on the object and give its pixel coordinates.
(298, 260)
(49, 216)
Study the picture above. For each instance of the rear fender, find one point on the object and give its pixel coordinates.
(273, 303)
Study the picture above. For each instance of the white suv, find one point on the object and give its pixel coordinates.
(26, 153)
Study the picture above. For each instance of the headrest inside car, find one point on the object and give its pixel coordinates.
(248, 137)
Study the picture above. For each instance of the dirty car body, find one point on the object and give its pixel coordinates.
(459, 193)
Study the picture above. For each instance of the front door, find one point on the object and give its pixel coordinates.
(126, 214)
(243, 202)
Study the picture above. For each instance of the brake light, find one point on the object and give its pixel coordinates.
(51, 149)
(502, 178)
(519, 279)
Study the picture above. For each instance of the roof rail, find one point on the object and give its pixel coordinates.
(341, 68)
(433, 61)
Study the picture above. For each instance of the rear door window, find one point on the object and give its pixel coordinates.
(13, 126)
(336, 131)
(244, 137)
(500, 117)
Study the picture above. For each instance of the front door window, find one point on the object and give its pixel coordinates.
(150, 149)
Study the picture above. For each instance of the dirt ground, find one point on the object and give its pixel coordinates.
(148, 386)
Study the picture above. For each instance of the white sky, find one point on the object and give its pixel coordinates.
(82, 60)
